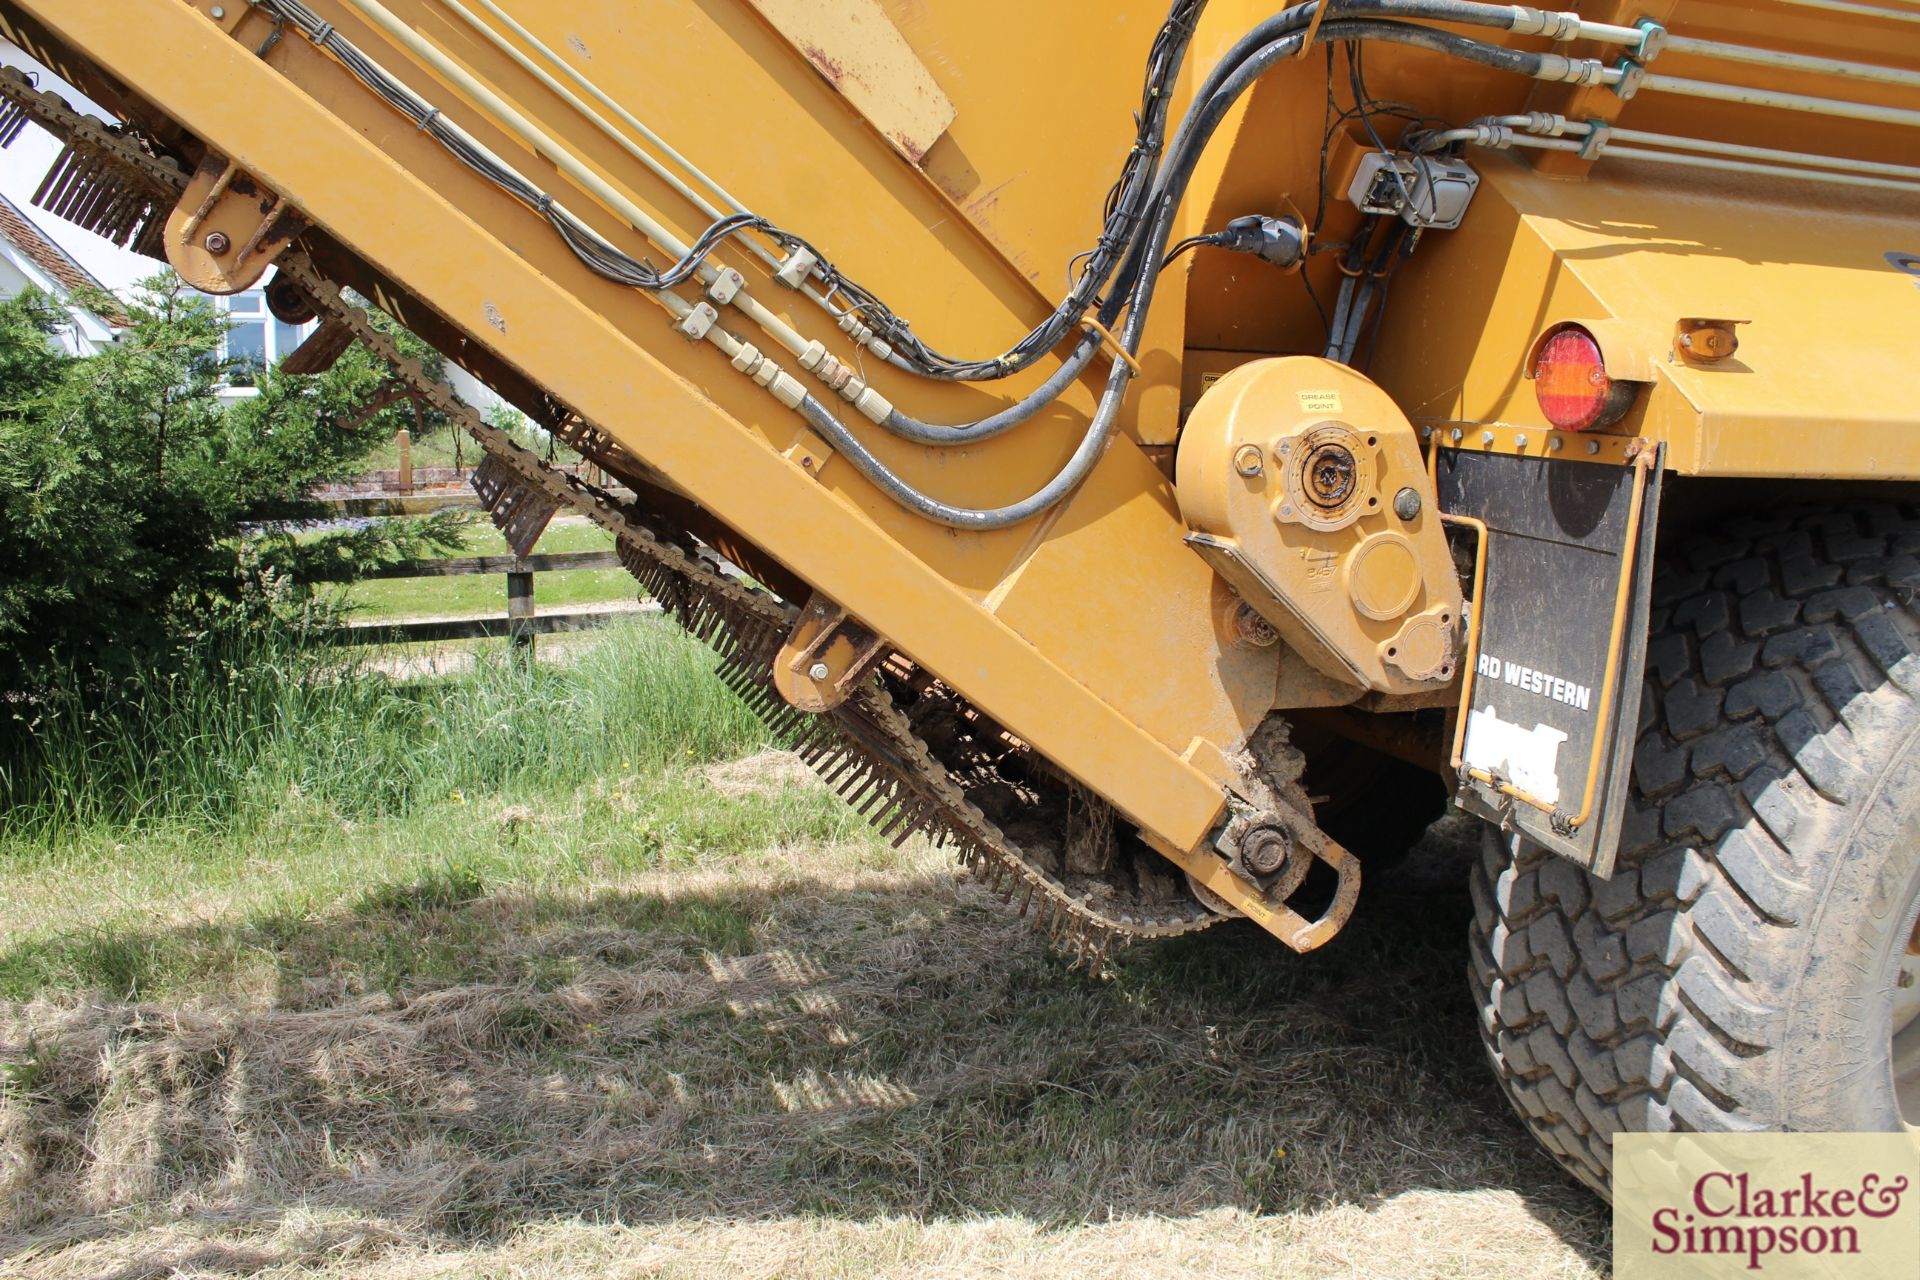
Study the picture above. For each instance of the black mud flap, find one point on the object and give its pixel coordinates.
(1556, 532)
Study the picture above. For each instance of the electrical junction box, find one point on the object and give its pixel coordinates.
(1424, 191)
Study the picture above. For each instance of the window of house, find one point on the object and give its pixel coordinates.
(255, 340)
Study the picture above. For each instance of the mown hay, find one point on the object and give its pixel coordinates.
(785, 1065)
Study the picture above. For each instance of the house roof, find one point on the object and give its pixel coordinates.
(20, 231)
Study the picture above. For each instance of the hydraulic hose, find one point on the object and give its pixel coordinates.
(1143, 235)
(1195, 131)
(1198, 126)
(996, 424)
(1109, 252)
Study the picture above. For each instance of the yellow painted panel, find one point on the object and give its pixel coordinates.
(1822, 385)
(862, 54)
(606, 352)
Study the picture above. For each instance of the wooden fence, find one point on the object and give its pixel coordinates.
(520, 623)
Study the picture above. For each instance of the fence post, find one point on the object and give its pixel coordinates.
(520, 615)
(403, 440)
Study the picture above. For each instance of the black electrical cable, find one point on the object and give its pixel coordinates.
(1123, 209)
(1185, 246)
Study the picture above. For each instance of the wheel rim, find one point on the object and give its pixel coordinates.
(1905, 1030)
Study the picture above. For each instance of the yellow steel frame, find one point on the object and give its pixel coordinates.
(180, 60)
(1093, 632)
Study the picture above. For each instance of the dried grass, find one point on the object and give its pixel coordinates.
(765, 773)
(789, 1065)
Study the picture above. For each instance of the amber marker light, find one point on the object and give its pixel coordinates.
(1570, 381)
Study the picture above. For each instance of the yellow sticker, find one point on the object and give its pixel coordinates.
(1319, 402)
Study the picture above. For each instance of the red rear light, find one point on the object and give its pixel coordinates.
(1570, 380)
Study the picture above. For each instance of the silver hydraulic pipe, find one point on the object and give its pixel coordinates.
(626, 117)
(543, 145)
(1567, 25)
(1792, 61)
(599, 122)
(1807, 159)
(1859, 10)
(1499, 131)
(1721, 164)
(1765, 170)
(1746, 95)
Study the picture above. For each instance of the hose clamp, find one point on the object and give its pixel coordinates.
(1313, 28)
(1632, 76)
(1111, 343)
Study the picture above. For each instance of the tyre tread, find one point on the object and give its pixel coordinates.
(1654, 1000)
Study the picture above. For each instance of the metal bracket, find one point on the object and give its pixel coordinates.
(1213, 874)
(697, 323)
(825, 657)
(726, 286)
(228, 228)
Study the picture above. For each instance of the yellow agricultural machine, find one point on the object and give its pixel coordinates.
(1167, 453)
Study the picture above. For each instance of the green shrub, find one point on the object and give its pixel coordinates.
(138, 507)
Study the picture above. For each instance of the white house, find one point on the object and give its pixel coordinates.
(31, 258)
(254, 339)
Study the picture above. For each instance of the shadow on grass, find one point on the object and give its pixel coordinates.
(462, 1063)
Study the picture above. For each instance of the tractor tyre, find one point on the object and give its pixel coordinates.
(1750, 963)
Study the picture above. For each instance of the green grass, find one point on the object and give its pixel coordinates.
(308, 971)
(479, 594)
(250, 726)
(171, 909)
(271, 783)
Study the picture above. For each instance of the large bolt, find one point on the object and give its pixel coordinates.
(1266, 849)
(819, 671)
(1406, 503)
(217, 243)
(1331, 473)
(1255, 631)
(1246, 460)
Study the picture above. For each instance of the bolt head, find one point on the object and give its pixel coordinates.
(1266, 849)
(1456, 435)
(1593, 446)
(1246, 460)
(1553, 444)
(1520, 441)
(218, 13)
(1406, 503)
(819, 671)
(1254, 631)
(1486, 437)
(217, 243)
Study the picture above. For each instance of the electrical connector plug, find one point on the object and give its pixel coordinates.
(1281, 241)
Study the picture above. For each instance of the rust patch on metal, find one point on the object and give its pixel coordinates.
(908, 147)
(825, 64)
